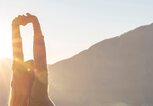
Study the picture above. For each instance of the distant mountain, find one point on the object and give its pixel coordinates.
(113, 72)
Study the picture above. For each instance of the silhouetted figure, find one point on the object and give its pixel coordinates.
(30, 79)
(22, 79)
(39, 94)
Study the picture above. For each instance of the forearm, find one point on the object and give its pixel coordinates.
(39, 47)
(40, 53)
(37, 28)
(16, 45)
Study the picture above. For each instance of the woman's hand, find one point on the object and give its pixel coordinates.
(31, 18)
(20, 20)
(25, 19)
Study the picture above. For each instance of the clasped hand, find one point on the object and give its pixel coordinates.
(24, 19)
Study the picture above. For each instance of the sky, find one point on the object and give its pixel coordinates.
(70, 26)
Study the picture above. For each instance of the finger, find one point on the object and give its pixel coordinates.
(19, 16)
(28, 14)
(24, 16)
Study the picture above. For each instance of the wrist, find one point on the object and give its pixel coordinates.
(35, 21)
(14, 25)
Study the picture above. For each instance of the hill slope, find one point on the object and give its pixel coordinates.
(116, 70)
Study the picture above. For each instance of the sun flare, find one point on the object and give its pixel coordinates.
(5, 43)
(5, 47)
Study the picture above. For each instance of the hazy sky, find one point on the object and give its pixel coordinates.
(70, 26)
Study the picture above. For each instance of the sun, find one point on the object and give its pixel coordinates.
(5, 46)
(6, 41)
(5, 50)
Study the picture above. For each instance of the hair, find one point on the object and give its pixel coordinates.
(29, 64)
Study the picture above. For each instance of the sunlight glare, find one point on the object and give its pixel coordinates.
(5, 43)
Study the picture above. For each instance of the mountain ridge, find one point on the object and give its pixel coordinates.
(119, 68)
(105, 40)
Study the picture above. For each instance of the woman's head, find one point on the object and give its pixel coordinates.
(29, 65)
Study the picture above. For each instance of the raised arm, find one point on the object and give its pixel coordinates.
(18, 57)
(39, 50)
(39, 94)
(22, 79)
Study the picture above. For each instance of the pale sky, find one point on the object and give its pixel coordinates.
(70, 26)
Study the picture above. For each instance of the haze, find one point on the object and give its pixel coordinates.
(70, 26)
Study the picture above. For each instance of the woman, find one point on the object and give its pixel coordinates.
(30, 79)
